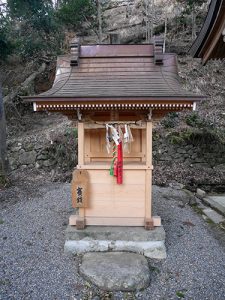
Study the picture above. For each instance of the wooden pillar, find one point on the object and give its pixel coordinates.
(80, 222)
(148, 179)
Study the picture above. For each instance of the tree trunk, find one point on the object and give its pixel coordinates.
(3, 157)
(149, 12)
(99, 7)
(165, 34)
(57, 4)
(146, 22)
(9, 98)
(193, 17)
(152, 19)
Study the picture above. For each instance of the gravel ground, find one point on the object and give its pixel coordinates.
(33, 265)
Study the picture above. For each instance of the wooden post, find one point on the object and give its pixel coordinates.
(148, 179)
(80, 222)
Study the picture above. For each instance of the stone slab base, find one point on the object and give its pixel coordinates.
(103, 239)
(116, 271)
(217, 202)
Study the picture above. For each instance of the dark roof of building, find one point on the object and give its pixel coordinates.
(114, 72)
(210, 43)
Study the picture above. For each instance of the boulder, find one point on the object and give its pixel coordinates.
(27, 158)
(116, 271)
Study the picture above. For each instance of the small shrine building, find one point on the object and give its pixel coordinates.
(115, 92)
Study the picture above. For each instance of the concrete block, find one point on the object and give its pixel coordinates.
(104, 238)
(156, 250)
(115, 233)
(157, 221)
(213, 215)
(217, 202)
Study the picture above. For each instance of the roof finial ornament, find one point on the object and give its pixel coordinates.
(158, 51)
(75, 52)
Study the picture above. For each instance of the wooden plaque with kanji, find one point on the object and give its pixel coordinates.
(80, 188)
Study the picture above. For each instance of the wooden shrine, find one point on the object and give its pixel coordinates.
(122, 89)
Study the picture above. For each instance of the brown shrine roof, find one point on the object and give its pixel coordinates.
(116, 73)
(210, 42)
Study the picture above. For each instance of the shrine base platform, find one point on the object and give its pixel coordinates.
(105, 238)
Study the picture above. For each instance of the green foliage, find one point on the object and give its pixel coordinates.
(72, 132)
(178, 138)
(34, 28)
(39, 13)
(6, 46)
(205, 137)
(189, 17)
(193, 120)
(191, 4)
(171, 120)
(73, 13)
(159, 29)
(204, 130)
(3, 176)
(180, 294)
(29, 29)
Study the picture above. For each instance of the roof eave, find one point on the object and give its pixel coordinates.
(114, 99)
(210, 33)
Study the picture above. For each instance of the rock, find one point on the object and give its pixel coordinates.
(201, 165)
(220, 167)
(13, 167)
(200, 193)
(48, 163)
(14, 164)
(192, 199)
(22, 167)
(181, 151)
(42, 156)
(213, 215)
(22, 151)
(217, 202)
(29, 147)
(38, 146)
(176, 185)
(116, 271)
(15, 148)
(27, 158)
(37, 165)
(182, 195)
(165, 157)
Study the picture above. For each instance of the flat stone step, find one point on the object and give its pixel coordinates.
(116, 271)
(105, 238)
(114, 233)
(217, 202)
(213, 215)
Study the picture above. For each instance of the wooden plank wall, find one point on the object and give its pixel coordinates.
(111, 204)
(95, 147)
